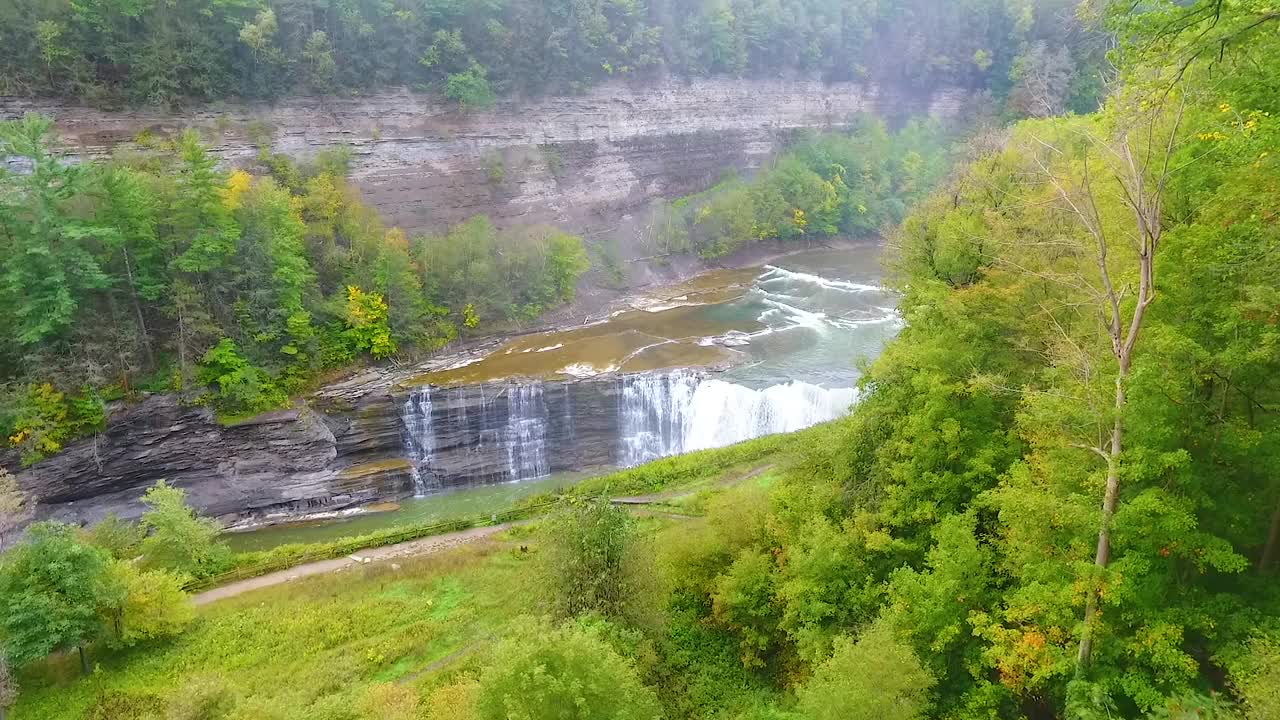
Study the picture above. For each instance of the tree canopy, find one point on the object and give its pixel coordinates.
(470, 50)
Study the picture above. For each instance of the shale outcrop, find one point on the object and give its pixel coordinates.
(351, 445)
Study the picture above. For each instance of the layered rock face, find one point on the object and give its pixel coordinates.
(577, 161)
(350, 449)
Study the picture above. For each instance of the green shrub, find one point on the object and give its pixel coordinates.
(242, 388)
(584, 560)
(119, 537)
(470, 88)
(153, 607)
(179, 540)
(203, 698)
(875, 678)
(121, 705)
(494, 168)
(46, 419)
(542, 672)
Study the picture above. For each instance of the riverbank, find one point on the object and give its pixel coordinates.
(332, 544)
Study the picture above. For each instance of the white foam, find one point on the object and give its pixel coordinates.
(774, 273)
(848, 323)
(795, 315)
(585, 370)
(557, 346)
(665, 414)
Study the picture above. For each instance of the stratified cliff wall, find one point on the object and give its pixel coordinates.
(577, 161)
(354, 444)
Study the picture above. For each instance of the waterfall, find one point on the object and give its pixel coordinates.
(419, 437)
(514, 432)
(725, 413)
(526, 433)
(654, 415)
(663, 414)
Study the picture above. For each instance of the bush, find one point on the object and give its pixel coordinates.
(875, 678)
(119, 537)
(470, 88)
(207, 698)
(242, 388)
(390, 701)
(46, 419)
(585, 563)
(178, 539)
(1258, 680)
(119, 705)
(154, 605)
(456, 701)
(565, 673)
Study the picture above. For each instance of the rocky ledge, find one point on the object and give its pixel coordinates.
(354, 443)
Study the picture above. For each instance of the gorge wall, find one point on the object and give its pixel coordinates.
(357, 442)
(582, 162)
(578, 161)
(369, 439)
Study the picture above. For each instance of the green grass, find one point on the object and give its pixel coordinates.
(369, 641)
(314, 648)
(696, 469)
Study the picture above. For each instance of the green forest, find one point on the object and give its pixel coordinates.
(847, 184)
(1057, 497)
(158, 271)
(117, 52)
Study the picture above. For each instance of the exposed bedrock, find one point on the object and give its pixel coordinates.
(358, 449)
(578, 161)
(369, 439)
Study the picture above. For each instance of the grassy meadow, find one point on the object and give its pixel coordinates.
(375, 641)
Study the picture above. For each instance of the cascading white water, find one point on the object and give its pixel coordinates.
(419, 436)
(653, 416)
(791, 326)
(662, 414)
(725, 413)
(526, 435)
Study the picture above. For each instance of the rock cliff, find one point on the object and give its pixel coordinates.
(577, 161)
(356, 443)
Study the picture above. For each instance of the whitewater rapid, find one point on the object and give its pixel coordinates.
(664, 414)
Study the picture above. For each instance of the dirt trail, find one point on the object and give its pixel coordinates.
(431, 545)
(422, 546)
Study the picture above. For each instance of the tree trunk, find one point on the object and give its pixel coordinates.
(137, 311)
(1273, 542)
(84, 661)
(182, 342)
(1109, 502)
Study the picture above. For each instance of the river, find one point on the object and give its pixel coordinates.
(785, 340)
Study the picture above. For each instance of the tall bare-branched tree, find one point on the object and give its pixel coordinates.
(1129, 166)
